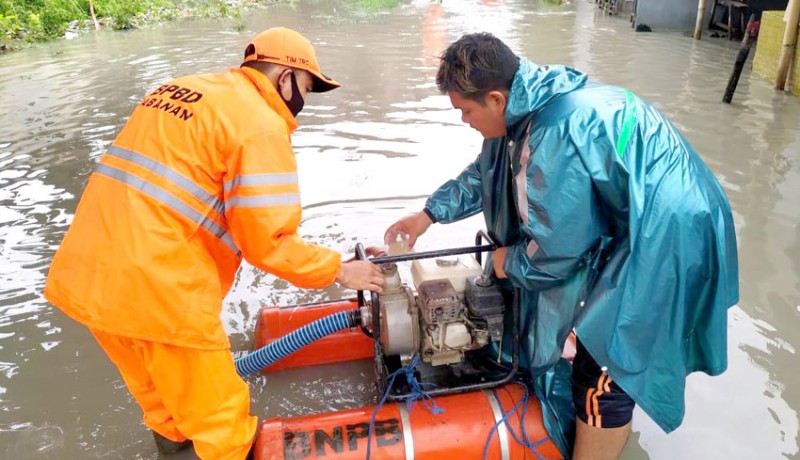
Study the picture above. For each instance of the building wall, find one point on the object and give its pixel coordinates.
(670, 14)
(768, 49)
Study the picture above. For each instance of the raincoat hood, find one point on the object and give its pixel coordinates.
(535, 86)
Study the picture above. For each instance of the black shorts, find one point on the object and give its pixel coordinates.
(598, 400)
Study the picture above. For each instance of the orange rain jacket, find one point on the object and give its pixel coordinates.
(202, 174)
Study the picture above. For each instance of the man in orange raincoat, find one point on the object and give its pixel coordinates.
(201, 176)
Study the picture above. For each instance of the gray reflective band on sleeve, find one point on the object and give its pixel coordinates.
(502, 431)
(521, 179)
(169, 200)
(262, 200)
(252, 180)
(170, 174)
(408, 440)
(531, 249)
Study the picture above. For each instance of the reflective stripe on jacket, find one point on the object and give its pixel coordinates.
(202, 175)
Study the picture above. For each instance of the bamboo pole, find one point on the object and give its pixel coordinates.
(792, 17)
(741, 58)
(94, 17)
(701, 14)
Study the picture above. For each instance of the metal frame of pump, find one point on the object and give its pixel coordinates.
(374, 310)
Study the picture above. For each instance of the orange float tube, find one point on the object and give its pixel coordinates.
(275, 322)
(461, 432)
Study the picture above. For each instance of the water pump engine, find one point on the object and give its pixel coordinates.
(457, 309)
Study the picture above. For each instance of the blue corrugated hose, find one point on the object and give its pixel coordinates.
(294, 341)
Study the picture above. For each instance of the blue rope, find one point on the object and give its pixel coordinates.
(418, 393)
(525, 441)
(503, 419)
(292, 342)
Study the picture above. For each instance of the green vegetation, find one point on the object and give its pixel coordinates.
(372, 5)
(41, 20)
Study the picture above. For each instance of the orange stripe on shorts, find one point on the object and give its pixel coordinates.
(595, 403)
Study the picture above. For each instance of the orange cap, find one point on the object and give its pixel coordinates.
(283, 46)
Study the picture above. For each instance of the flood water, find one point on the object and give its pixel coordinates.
(369, 153)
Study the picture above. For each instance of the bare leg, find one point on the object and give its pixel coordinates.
(599, 443)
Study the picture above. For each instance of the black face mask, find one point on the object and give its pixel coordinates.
(295, 104)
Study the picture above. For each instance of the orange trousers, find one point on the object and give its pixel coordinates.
(186, 393)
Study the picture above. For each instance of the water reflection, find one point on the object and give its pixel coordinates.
(368, 153)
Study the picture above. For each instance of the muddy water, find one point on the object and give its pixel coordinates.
(368, 153)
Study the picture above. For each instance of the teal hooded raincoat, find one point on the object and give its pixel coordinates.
(616, 228)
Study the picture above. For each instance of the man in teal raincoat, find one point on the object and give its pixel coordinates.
(609, 222)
